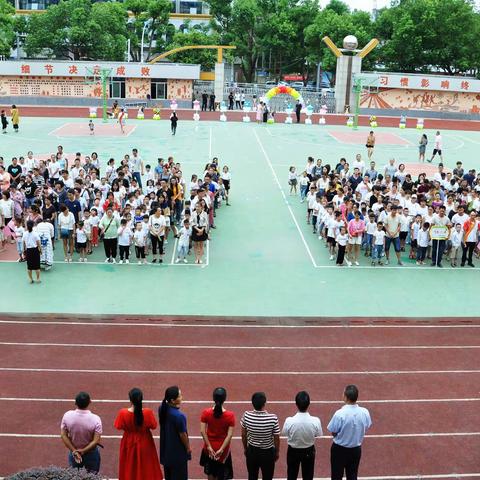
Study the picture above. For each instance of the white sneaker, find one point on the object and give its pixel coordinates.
(185, 260)
(177, 260)
(107, 260)
(70, 259)
(127, 261)
(120, 262)
(84, 260)
(139, 262)
(349, 263)
(386, 262)
(357, 264)
(331, 257)
(114, 261)
(80, 260)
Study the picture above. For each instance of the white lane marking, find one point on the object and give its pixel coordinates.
(213, 372)
(277, 181)
(204, 325)
(241, 347)
(324, 437)
(248, 402)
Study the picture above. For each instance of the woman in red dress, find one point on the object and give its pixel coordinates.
(217, 430)
(138, 454)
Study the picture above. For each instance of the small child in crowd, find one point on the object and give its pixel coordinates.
(184, 242)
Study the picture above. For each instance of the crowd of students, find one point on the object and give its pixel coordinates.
(128, 206)
(81, 432)
(359, 207)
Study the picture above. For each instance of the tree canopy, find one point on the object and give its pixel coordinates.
(279, 36)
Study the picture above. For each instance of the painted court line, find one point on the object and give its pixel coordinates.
(267, 158)
(324, 437)
(132, 263)
(248, 402)
(205, 325)
(400, 268)
(213, 372)
(241, 347)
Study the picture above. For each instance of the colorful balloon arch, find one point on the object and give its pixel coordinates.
(284, 89)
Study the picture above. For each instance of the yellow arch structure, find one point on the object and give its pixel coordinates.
(219, 48)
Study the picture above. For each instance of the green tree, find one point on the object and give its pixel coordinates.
(7, 32)
(337, 26)
(154, 16)
(77, 29)
(197, 35)
(418, 35)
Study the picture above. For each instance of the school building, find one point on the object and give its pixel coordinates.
(45, 82)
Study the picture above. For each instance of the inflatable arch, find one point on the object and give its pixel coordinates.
(284, 89)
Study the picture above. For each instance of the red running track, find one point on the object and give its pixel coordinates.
(237, 116)
(423, 399)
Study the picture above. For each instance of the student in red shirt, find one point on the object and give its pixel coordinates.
(216, 428)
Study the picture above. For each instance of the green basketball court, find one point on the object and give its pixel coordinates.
(263, 259)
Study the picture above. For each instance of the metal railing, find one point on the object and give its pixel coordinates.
(278, 103)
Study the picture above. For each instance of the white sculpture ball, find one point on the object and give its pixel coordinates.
(350, 42)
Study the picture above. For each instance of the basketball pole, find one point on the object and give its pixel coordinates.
(104, 74)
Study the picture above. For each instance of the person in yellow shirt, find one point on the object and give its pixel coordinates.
(15, 117)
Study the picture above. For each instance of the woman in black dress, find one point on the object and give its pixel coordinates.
(32, 249)
(199, 231)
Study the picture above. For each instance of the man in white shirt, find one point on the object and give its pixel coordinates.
(359, 163)
(437, 148)
(438, 245)
(301, 431)
(136, 166)
(348, 426)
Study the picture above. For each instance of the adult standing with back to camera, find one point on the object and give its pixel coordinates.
(301, 431)
(216, 427)
(348, 426)
(260, 438)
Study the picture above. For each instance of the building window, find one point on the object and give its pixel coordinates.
(158, 89)
(117, 88)
(192, 7)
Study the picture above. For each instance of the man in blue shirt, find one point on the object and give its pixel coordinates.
(73, 204)
(348, 426)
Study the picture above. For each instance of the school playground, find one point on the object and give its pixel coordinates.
(267, 311)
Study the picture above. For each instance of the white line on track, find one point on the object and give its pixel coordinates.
(325, 437)
(213, 372)
(248, 402)
(132, 264)
(277, 181)
(418, 476)
(241, 347)
(204, 325)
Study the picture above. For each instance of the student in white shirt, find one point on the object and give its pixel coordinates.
(456, 238)
(301, 431)
(139, 239)
(81, 241)
(437, 147)
(124, 241)
(423, 241)
(184, 242)
(342, 240)
(378, 244)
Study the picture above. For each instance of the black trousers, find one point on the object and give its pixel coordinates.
(438, 247)
(110, 246)
(260, 459)
(468, 249)
(124, 252)
(346, 460)
(341, 254)
(140, 252)
(300, 456)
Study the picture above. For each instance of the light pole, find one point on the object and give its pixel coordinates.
(145, 26)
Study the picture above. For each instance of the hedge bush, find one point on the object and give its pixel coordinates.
(55, 473)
